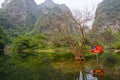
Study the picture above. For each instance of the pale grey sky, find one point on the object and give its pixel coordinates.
(74, 4)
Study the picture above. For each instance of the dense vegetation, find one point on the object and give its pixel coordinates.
(4, 38)
(37, 41)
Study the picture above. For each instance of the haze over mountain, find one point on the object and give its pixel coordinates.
(23, 16)
(51, 16)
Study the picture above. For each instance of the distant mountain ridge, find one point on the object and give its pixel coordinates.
(24, 16)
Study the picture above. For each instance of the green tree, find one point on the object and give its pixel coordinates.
(38, 41)
(4, 38)
(29, 42)
(20, 43)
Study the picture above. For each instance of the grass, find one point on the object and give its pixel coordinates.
(48, 50)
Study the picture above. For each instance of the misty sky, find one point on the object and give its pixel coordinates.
(74, 4)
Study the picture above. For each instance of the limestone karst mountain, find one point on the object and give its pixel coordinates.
(51, 17)
(108, 14)
(25, 16)
(19, 15)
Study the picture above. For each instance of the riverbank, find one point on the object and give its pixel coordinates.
(47, 50)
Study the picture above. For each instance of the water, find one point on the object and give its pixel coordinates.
(48, 66)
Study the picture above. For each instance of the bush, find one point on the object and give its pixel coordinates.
(20, 43)
(29, 42)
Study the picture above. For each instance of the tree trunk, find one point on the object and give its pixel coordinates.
(78, 53)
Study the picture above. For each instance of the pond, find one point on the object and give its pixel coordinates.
(53, 66)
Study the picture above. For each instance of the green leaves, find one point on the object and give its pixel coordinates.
(29, 42)
(4, 38)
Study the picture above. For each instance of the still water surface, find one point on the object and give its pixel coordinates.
(47, 66)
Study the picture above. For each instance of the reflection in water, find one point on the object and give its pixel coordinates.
(1, 53)
(90, 77)
(98, 72)
(86, 76)
(81, 76)
(83, 71)
(40, 66)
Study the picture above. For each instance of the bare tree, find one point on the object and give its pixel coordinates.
(79, 21)
(82, 19)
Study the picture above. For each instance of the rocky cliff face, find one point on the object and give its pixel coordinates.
(24, 16)
(20, 15)
(52, 17)
(108, 14)
(20, 10)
